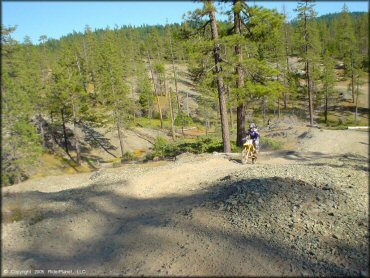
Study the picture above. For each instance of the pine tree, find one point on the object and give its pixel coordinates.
(264, 56)
(240, 110)
(156, 92)
(347, 46)
(359, 82)
(287, 70)
(211, 12)
(91, 62)
(169, 36)
(35, 81)
(113, 82)
(69, 86)
(146, 95)
(362, 36)
(308, 47)
(21, 144)
(328, 81)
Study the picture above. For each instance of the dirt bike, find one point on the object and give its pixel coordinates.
(249, 152)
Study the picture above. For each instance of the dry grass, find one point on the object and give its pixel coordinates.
(139, 152)
(16, 211)
(58, 165)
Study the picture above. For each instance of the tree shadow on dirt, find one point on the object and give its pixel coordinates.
(54, 136)
(185, 82)
(360, 110)
(97, 140)
(309, 156)
(105, 232)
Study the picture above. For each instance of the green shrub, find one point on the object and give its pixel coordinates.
(267, 143)
(336, 127)
(160, 146)
(183, 120)
(203, 144)
(149, 156)
(210, 145)
(128, 156)
(235, 148)
(163, 148)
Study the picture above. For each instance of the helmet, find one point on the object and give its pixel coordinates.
(252, 125)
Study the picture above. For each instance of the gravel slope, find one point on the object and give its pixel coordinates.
(293, 213)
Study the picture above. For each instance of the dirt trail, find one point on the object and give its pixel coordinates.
(177, 218)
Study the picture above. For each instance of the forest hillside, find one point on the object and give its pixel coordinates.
(111, 96)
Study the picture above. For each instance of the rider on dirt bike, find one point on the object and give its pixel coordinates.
(253, 134)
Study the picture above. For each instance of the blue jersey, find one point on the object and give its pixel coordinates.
(253, 134)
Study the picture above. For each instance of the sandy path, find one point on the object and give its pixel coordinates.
(336, 141)
(144, 220)
(146, 224)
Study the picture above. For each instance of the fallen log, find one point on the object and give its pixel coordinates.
(358, 127)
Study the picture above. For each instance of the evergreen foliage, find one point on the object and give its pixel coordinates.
(109, 77)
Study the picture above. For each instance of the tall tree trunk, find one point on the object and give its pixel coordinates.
(357, 92)
(52, 128)
(220, 82)
(231, 118)
(175, 77)
(352, 80)
(230, 109)
(95, 95)
(240, 124)
(133, 97)
(171, 112)
(64, 131)
(76, 128)
(187, 104)
(118, 125)
(86, 60)
(155, 91)
(41, 126)
(117, 119)
(285, 94)
(308, 70)
(287, 61)
(76, 134)
(309, 89)
(326, 106)
(207, 126)
(80, 73)
(160, 86)
(277, 79)
(240, 110)
(120, 136)
(263, 109)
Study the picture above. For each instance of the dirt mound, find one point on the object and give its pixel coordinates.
(306, 210)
